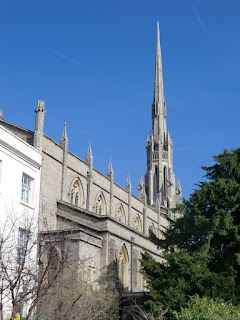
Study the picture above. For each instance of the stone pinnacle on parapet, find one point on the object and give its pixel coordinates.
(89, 157)
(64, 137)
(128, 183)
(110, 169)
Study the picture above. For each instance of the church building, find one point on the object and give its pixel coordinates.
(105, 224)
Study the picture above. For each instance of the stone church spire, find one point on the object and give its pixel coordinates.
(159, 105)
(158, 83)
(159, 179)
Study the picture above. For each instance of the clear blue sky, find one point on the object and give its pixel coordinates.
(93, 64)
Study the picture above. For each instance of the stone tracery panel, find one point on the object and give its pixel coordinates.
(100, 205)
(137, 223)
(120, 214)
(152, 228)
(76, 193)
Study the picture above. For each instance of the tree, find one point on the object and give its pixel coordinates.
(202, 248)
(75, 297)
(22, 283)
(41, 276)
(208, 309)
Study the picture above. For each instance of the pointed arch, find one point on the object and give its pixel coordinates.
(76, 193)
(120, 214)
(100, 204)
(152, 228)
(137, 225)
(123, 267)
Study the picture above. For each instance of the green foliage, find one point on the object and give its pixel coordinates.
(17, 317)
(208, 309)
(201, 249)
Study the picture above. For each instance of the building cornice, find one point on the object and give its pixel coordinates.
(20, 154)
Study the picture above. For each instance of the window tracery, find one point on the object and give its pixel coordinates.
(100, 205)
(120, 215)
(137, 223)
(76, 193)
(152, 228)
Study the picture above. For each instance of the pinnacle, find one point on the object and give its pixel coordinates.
(110, 168)
(143, 195)
(157, 202)
(140, 183)
(128, 183)
(89, 157)
(64, 134)
(179, 188)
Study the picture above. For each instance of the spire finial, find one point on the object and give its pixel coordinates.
(64, 138)
(89, 157)
(128, 183)
(110, 168)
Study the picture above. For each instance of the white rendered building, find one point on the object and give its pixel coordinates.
(20, 167)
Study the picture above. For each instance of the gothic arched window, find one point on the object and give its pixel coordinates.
(137, 223)
(123, 268)
(120, 215)
(152, 228)
(76, 195)
(100, 205)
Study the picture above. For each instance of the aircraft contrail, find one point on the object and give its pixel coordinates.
(72, 60)
(199, 20)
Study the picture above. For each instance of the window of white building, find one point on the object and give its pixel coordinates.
(22, 246)
(26, 194)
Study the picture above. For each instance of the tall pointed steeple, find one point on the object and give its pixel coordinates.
(158, 106)
(158, 82)
(159, 147)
